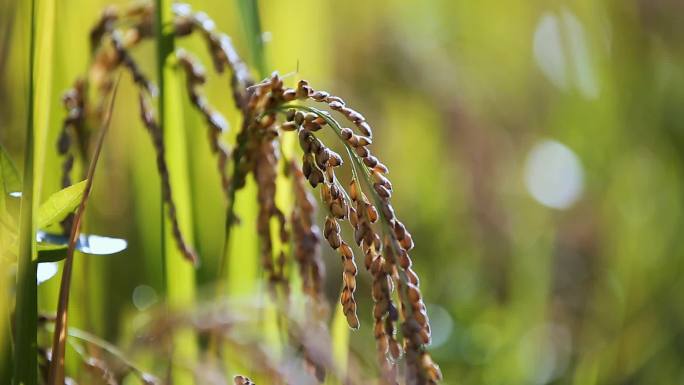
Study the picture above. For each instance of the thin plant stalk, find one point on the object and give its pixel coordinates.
(237, 274)
(179, 275)
(56, 372)
(44, 58)
(26, 312)
(249, 12)
(231, 272)
(38, 107)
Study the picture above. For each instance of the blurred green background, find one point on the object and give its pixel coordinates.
(537, 154)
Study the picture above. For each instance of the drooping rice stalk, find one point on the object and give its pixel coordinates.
(287, 232)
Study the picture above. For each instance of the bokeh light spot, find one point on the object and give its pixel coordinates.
(442, 324)
(553, 174)
(561, 51)
(144, 296)
(544, 352)
(548, 50)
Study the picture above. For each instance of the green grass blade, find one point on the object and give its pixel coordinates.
(44, 66)
(240, 265)
(241, 274)
(249, 12)
(26, 312)
(179, 274)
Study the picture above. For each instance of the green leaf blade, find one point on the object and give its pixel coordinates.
(60, 204)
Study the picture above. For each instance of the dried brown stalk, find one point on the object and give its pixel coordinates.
(56, 372)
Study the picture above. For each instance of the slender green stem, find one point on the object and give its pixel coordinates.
(179, 275)
(249, 11)
(252, 24)
(162, 52)
(238, 179)
(26, 312)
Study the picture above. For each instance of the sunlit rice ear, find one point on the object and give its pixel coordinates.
(388, 260)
